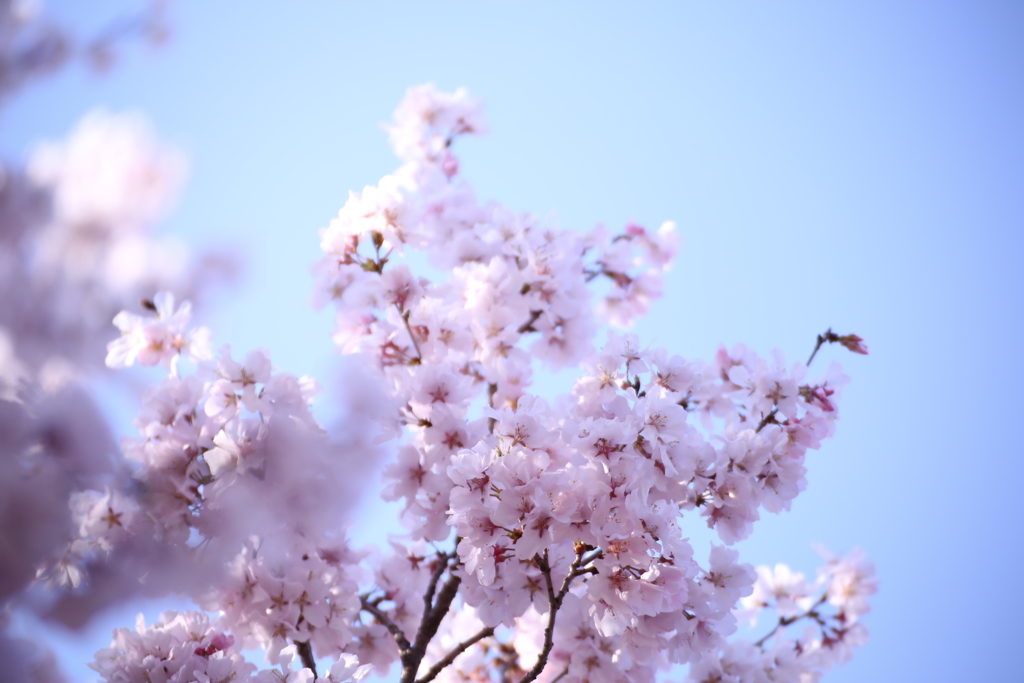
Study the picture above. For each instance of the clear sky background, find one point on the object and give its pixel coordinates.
(853, 165)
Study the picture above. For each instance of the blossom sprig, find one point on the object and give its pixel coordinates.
(634, 263)
(831, 607)
(235, 475)
(81, 245)
(546, 540)
(184, 647)
(160, 338)
(179, 648)
(428, 121)
(850, 341)
(209, 436)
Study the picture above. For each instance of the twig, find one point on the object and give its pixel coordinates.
(821, 340)
(428, 596)
(431, 621)
(405, 319)
(456, 651)
(554, 604)
(767, 420)
(597, 554)
(433, 613)
(392, 627)
(850, 341)
(528, 325)
(786, 621)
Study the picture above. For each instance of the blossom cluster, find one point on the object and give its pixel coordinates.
(826, 614)
(77, 245)
(546, 539)
(185, 648)
(236, 491)
(180, 648)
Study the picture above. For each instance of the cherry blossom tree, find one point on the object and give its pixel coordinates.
(546, 539)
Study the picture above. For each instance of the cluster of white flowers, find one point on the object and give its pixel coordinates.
(236, 491)
(180, 648)
(547, 540)
(185, 648)
(79, 244)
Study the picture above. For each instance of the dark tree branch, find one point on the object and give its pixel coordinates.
(428, 596)
(305, 650)
(817, 346)
(528, 325)
(428, 628)
(786, 621)
(392, 627)
(456, 651)
(767, 420)
(437, 603)
(555, 603)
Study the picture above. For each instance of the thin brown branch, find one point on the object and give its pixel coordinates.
(428, 628)
(786, 621)
(767, 420)
(405, 319)
(428, 595)
(818, 345)
(528, 325)
(456, 651)
(554, 604)
(549, 630)
(392, 627)
(580, 567)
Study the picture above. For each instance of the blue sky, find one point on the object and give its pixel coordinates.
(853, 165)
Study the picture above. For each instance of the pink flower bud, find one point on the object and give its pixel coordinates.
(450, 165)
(634, 230)
(854, 343)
